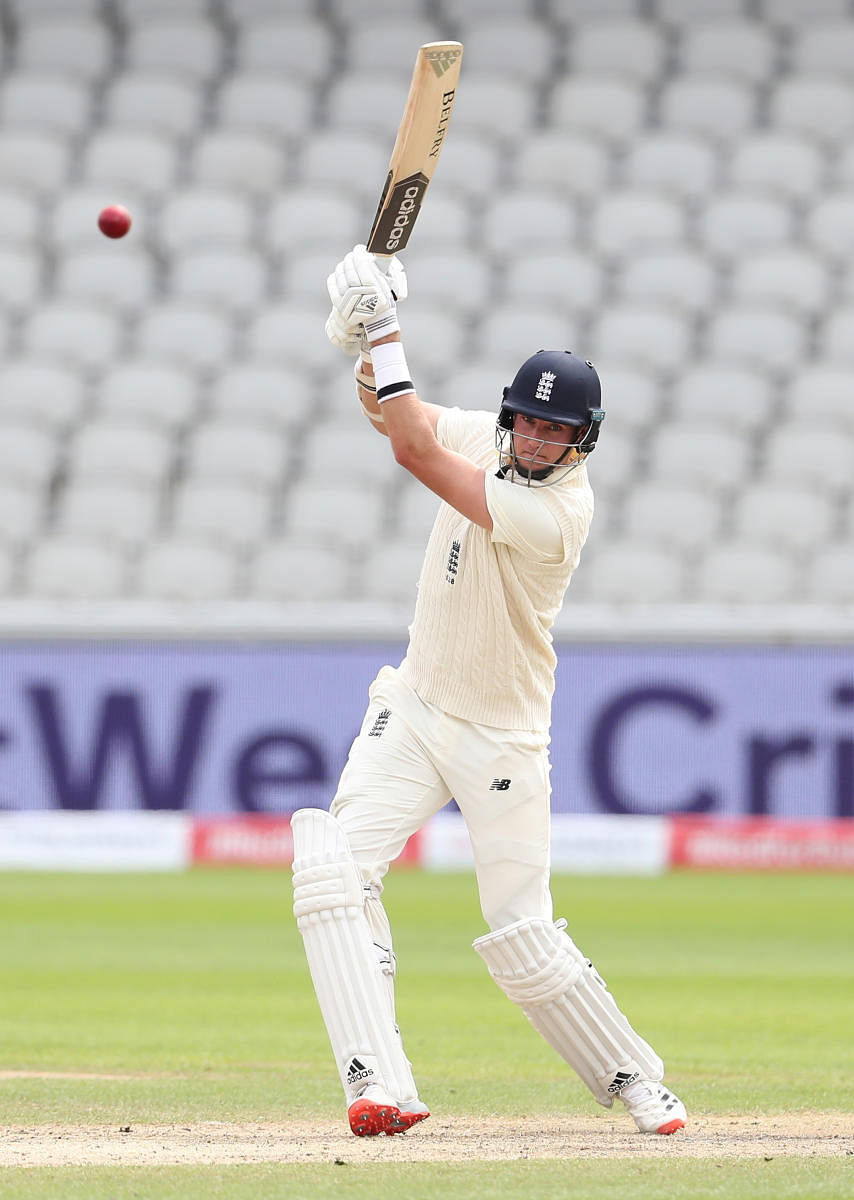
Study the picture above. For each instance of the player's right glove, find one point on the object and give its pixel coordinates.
(364, 297)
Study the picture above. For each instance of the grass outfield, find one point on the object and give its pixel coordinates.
(188, 995)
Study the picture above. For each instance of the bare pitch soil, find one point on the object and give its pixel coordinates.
(441, 1139)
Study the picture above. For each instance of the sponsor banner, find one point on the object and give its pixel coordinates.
(580, 844)
(259, 841)
(116, 841)
(719, 843)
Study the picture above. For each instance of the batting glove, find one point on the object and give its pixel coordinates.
(363, 293)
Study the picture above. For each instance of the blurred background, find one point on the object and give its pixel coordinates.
(665, 186)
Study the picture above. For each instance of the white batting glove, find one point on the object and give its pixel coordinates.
(364, 294)
(351, 340)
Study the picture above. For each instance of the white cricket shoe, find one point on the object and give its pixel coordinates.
(411, 1112)
(654, 1107)
(373, 1112)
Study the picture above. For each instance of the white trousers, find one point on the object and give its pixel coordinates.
(409, 760)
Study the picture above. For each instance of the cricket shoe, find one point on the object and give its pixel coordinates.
(654, 1107)
(411, 1112)
(374, 1112)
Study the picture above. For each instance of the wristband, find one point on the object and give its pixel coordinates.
(391, 372)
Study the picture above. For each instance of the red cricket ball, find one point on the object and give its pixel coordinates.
(114, 221)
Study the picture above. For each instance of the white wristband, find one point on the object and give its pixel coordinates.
(391, 372)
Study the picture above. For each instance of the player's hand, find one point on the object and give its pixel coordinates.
(351, 341)
(361, 291)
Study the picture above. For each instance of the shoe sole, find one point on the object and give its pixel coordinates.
(368, 1119)
(671, 1126)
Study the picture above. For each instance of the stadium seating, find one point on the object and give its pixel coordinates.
(664, 185)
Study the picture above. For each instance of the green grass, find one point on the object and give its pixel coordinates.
(195, 987)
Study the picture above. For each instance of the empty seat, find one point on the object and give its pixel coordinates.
(829, 226)
(460, 280)
(792, 15)
(684, 279)
(75, 568)
(129, 452)
(747, 573)
(624, 572)
(389, 572)
(826, 388)
(527, 218)
(338, 159)
(315, 218)
(836, 337)
(815, 107)
(290, 334)
(157, 393)
(416, 510)
(499, 109)
(303, 275)
(185, 569)
(699, 455)
(301, 48)
(27, 10)
(154, 101)
(830, 577)
(248, 162)
(237, 452)
(789, 278)
(650, 336)
(690, 12)
(362, 456)
(627, 47)
(374, 43)
(471, 167)
(516, 47)
(204, 217)
(627, 222)
(631, 398)
(233, 279)
(33, 160)
(83, 334)
(778, 163)
(45, 101)
(188, 46)
(18, 217)
(718, 391)
(444, 223)
(612, 464)
(117, 159)
(20, 279)
(572, 164)
(189, 334)
(77, 45)
(819, 458)
(262, 394)
(566, 279)
(379, 94)
(603, 106)
(336, 516)
(266, 104)
(521, 332)
(758, 336)
(826, 48)
(116, 512)
(743, 49)
(715, 107)
(110, 275)
(671, 515)
(28, 454)
(236, 515)
(784, 515)
(299, 569)
(73, 222)
(40, 392)
(22, 511)
(682, 163)
(735, 223)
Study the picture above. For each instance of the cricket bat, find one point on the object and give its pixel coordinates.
(416, 149)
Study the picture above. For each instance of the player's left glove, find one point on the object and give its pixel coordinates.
(351, 341)
(364, 295)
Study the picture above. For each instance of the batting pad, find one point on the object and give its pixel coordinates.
(329, 906)
(541, 969)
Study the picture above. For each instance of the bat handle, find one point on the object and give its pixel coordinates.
(383, 261)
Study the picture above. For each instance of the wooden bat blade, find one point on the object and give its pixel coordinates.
(416, 149)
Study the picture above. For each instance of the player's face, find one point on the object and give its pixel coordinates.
(538, 443)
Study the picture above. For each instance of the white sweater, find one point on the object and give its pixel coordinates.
(480, 644)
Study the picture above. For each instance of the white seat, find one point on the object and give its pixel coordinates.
(431, 337)
(108, 275)
(471, 167)
(682, 278)
(569, 281)
(121, 514)
(143, 10)
(40, 392)
(377, 44)
(784, 516)
(623, 572)
(315, 218)
(415, 512)
(198, 217)
(263, 394)
(652, 337)
(777, 163)
(674, 516)
(245, 161)
(75, 568)
(829, 226)
(826, 48)
(460, 280)
(758, 336)
(301, 48)
(186, 45)
(21, 278)
(842, 169)
(816, 107)
(698, 455)
(154, 101)
(516, 47)
(836, 338)
(240, 11)
(583, 10)
(689, 12)
(150, 391)
(572, 164)
(237, 515)
(743, 49)
(735, 223)
(83, 334)
(492, 106)
(28, 453)
(445, 222)
(73, 222)
(290, 334)
(526, 218)
(613, 463)
(20, 222)
(363, 457)
(602, 106)
(236, 452)
(718, 108)
(28, 10)
(521, 332)
(45, 101)
(682, 164)
(830, 578)
(188, 334)
(77, 45)
(32, 160)
(737, 397)
(186, 569)
(336, 159)
(449, 9)
(627, 222)
(379, 94)
(820, 458)
(304, 275)
(826, 388)
(628, 47)
(790, 278)
(128, 452)
(22, 513)
(336, 516)
(264, 103)
(143, 162)
(631, 398)
(299, 569)
(747, 572)
(233, 279)
(475, 382)
(793, 15)
(389, 572)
